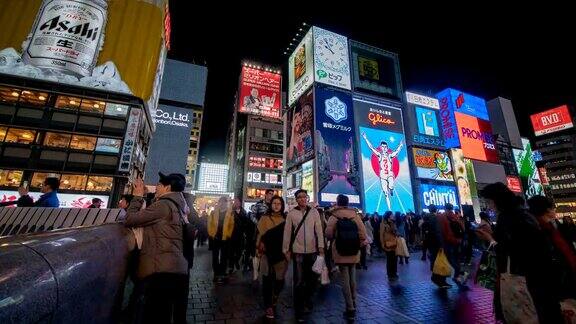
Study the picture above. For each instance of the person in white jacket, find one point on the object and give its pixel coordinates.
(303, 241)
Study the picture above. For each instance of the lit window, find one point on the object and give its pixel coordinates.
(93, 106)
(108, 145)
(66, 102)
(73, 182)
(33, 98)
(57, 140)
(9, 95)
(99, 184)
(2, 133)
(39, 177)
(118, 110)
(83, 142)
(10, 178)
(23, 136)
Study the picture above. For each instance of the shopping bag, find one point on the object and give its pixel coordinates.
(517, 304)
(324, 277)
(319, 265)
(255, 267)
(441, 266)
(401, 247)
(487, 272)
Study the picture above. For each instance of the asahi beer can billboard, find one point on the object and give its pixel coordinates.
(67, 35)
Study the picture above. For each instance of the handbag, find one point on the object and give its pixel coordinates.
(487, 272)
(402, 248)
(517, 304)
(441, 266)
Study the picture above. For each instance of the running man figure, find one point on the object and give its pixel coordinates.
(385, 160)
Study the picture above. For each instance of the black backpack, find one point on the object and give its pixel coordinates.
(347, 237)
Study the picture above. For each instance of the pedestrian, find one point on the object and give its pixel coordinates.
(564, 257)
(162, 267)
(369, 240)
(203, 229)
(49, 191)
(96, 203)
(375, 221)
(24, 201)
(269, 248)
(303, 241)
(220, 229)
(522, 250)
(237, 240)
(453, 234)
(347, 231)
(568, 231)
(402, 228)
(388, 238)
(261, 207)
(430, 241)
(439, 236)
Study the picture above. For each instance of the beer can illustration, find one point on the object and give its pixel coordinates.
(67, 36)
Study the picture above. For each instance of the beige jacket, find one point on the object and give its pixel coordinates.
(310, 236)
(338, 213)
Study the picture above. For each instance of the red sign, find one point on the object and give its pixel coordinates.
(543, 176)
(551, 121)
(476, 138)
(260, 92)
(514, 184)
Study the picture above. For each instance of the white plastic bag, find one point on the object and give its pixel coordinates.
(324, 277)
(319, 265)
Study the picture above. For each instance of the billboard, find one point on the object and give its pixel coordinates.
(260, 92)
(299, 131)
(88, 43)
(66, 200)
(437, 195)
(432, 164)
(550, 121)
(169, 145)
(335, 147)
(130, 140)
(331, 61)
(424, 101)
(461, 177)
(213, 177)
(375, 70)
(514, 184)
(476, 138)
(308, 178)
(527, 170)
(385, 171)
(301, 68)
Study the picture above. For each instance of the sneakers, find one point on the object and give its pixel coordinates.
(270, 313)
(350, 315)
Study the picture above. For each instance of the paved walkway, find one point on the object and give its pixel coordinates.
(414, 299)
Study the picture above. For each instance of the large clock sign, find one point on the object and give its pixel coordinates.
(331, 60)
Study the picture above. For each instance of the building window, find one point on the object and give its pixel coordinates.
(22, 136)
(57, 140)
(33, 98)
(3, 133)
(99, 184)
(39, 177)
(92, 106)
(73, 182)
(10, 178)
(258, 132)
(86, 143)
(108, 145)
(66, 102)
(117, 110)
(9, 95)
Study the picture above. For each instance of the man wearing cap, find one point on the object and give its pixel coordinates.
(162, 267)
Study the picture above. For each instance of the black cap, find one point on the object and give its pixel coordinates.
(176, 181)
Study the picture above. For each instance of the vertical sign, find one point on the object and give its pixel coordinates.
(130, 140)
(461, 177)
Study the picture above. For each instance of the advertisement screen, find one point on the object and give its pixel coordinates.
(384, 158)
(268, 178)
(264, 162)
(476, 138)
(168, 150)
(331, 61)
(527, 170)
(66, 200)
(299, 131)
(432, 164)
(300, 69)
(427, 121)
(308, 178)
(466, 190)
(437, 195)
(551, 121)
(87, 43)
(375, 70)
(336, 150)
(544, 176)
(260, 92)
(514, 184)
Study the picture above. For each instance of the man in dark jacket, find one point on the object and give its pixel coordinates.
(162, 267)
(260, 208)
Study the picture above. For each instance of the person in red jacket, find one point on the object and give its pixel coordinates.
(449, 233)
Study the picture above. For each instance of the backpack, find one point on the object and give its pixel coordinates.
(347, 237)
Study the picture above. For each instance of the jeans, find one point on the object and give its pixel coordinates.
(305, 281)
(165, 298)
(453, 255)
(348, 273)
(219, 257)
(391, 264)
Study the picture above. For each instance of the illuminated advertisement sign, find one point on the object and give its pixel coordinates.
(432, 164)
(437, 195)
(130, 140)
(66, 200)
(336, 149)
(300, 69)
(299, 131)
(514, 184)
(423, 101)
(375, 70)
(308, 178)
(384, 158)
(476, 138)
(269, 178)
(466, 190)
(264, 162)
(260, 92)
(331, 62)
(427, 123)
(527, 170)
(550, 121)
(213, 177)
(448, 122)
(544, 176)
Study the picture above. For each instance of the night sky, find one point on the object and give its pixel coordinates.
(527, 57)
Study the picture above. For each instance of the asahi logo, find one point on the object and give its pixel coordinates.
(62, 25)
